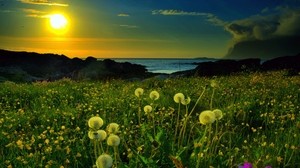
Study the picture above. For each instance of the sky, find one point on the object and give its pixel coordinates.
(152, 28)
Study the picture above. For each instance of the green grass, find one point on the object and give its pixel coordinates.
(44, 124)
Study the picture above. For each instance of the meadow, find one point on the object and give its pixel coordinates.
(48, 124)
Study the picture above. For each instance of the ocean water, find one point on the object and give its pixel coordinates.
(167, 66)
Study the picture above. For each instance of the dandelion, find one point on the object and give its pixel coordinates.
(94, 135)
(102, 134)
(112, 128)
(47, 141)
(214, 84)
(139, 92)
(20, 144)
(207, 117)
(77, 129)
(218, 114)
(186, 101)
(147, 109)
(95, 122)
(154, 95)
(104, 161)
(178, 97)
(113, 140)
(279, 159)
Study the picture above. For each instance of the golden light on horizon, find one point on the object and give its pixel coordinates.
(58, 23)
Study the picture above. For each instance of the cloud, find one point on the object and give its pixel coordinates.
(35, 13)
(123, 15)
(273, 32)
(6, 11)
(209, 16)
(129, 26)
(285, 22)
(43, 2)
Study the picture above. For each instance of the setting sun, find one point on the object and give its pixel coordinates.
(58, 23)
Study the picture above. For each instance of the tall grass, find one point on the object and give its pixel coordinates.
(45, 124)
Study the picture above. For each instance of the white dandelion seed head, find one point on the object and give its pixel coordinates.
(178, 97)
(95, 122)
(139, 92)
(94, 135)
(214, 84)
(102, 134)
(218, 114)
(186, 101)
(104, 161)
(112, 128)
(113, 140)
(207, 117)
(154, 95)
(147, 109)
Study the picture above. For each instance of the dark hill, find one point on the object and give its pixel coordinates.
(29, 66)
(230, 66)
(265, 49)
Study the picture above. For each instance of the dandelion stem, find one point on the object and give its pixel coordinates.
(183, 128)
(177, 122)
(95, 149)
(197, 101)
(101, 147)
(201, 142)
(116, 155)
(211, 99)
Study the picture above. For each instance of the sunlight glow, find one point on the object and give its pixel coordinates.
(58, 23)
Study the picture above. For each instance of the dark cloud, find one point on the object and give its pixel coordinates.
(283, 24)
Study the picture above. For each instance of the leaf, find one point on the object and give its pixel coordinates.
(159, 135)
(144, 160)
(177, 162)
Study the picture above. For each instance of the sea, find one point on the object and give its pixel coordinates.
(167, 66)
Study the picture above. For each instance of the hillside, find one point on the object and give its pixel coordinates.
(29, 66)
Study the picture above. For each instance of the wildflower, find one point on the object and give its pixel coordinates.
(94, 135)
(293, 147)
(112, 128)
(113, 140)
(139, 92)
(154, 95)
(104, 161)
(218, 114)
(95, 122)
(78, 154)
(47, 141)
(178, 97)
(246, 165)
(147, 109)
(186, 101)
(102, 134)
(140, 148)
(279, 159)
(214, 84)
(207, 117)
(20, 144)
(77, 129)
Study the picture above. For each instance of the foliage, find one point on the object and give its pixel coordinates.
(45, 124)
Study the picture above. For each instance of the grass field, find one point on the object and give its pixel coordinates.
(45, 124)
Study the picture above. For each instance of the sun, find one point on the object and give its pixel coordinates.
(58, 23)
